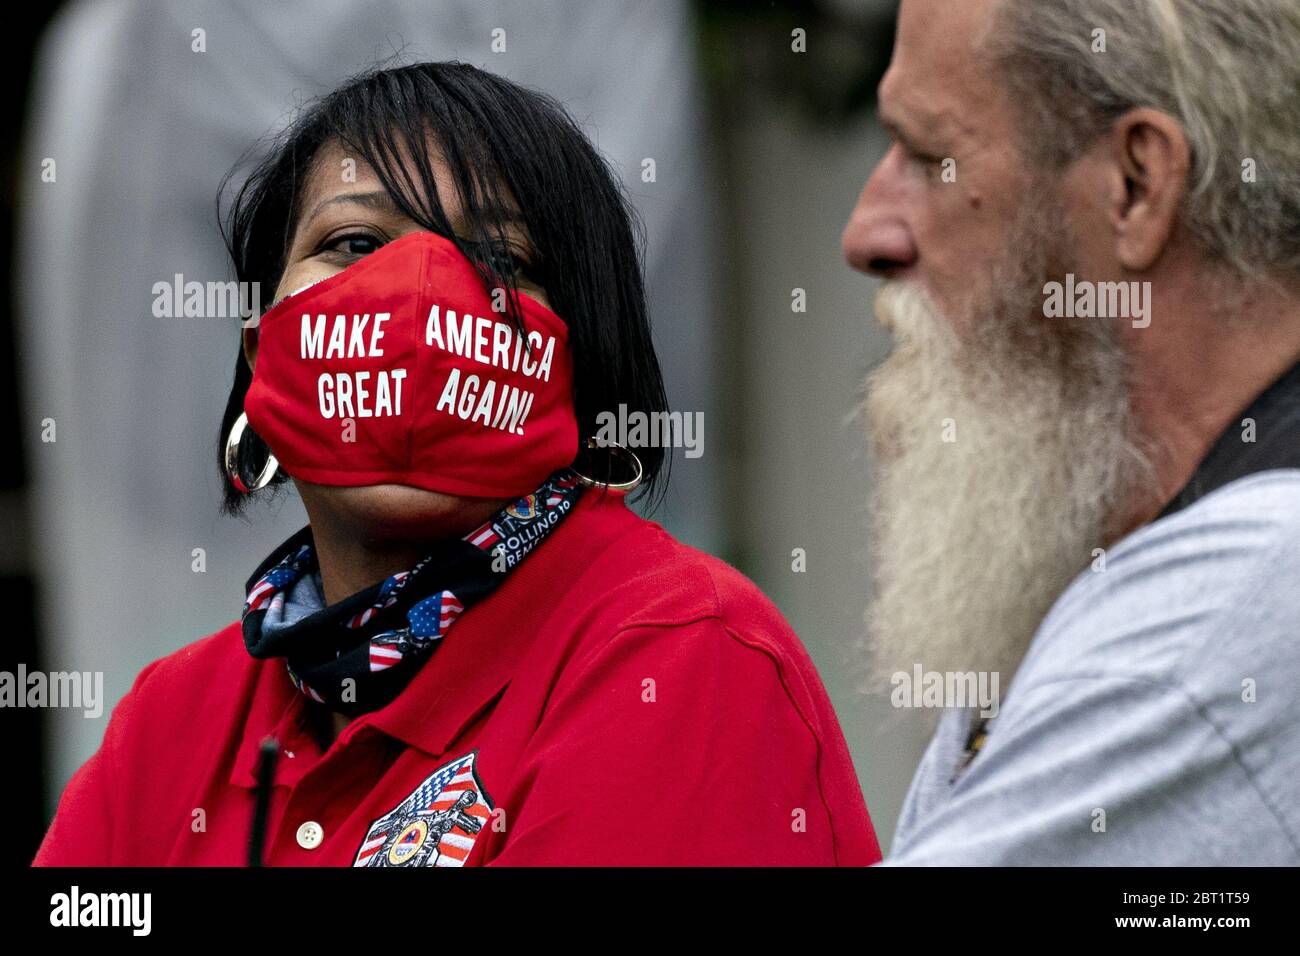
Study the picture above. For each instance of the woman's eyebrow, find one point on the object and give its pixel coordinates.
(505, 214)
(379, 200)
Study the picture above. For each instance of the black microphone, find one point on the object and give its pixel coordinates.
(267, 755)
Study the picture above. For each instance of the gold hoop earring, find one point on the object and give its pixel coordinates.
(233, 470)
(635, 463)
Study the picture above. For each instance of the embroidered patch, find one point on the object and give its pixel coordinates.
(525, 509)
(436, 825)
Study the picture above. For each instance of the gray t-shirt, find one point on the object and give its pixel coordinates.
(1156, 717)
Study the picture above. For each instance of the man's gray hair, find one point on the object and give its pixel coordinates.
(1227, 70)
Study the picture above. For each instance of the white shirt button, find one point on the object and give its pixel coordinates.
(310, 835)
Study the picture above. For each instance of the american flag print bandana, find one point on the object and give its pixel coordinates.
(358, 654)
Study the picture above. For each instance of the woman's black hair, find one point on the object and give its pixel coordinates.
(501, 143)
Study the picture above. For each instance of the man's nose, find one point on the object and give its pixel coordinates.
(877, 239)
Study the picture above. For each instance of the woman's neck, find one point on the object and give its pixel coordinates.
(348, 565)
(366, 534)
(363, 537)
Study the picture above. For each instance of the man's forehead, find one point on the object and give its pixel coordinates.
(945, 27)
(936, 71)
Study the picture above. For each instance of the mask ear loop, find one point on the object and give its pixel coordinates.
(301, 288)
(633, 461)
(234, 471)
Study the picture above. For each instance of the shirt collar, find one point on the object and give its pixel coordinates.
(1276, 416)
(476, 661)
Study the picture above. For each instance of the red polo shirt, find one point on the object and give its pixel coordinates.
(620, 699)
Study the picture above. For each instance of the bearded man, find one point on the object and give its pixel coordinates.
(1101, 509)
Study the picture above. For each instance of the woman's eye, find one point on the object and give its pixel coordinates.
(505, 261)
(520, 266)
(354, 244)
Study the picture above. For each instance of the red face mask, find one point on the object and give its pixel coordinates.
(399, 370)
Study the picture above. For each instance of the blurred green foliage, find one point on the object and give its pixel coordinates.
(747, 44)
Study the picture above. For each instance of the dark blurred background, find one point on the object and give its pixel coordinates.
(762, 136)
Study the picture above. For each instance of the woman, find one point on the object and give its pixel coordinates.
(474, 653)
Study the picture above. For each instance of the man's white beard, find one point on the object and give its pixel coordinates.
(977, 536)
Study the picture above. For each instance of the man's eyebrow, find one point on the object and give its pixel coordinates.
(893, 125)
(927, 127)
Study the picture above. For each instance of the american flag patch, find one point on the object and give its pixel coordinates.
(436, 825)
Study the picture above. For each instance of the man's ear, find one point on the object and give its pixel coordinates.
(1152, 161)
(249, 334)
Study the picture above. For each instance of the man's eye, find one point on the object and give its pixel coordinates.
(925, 160)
